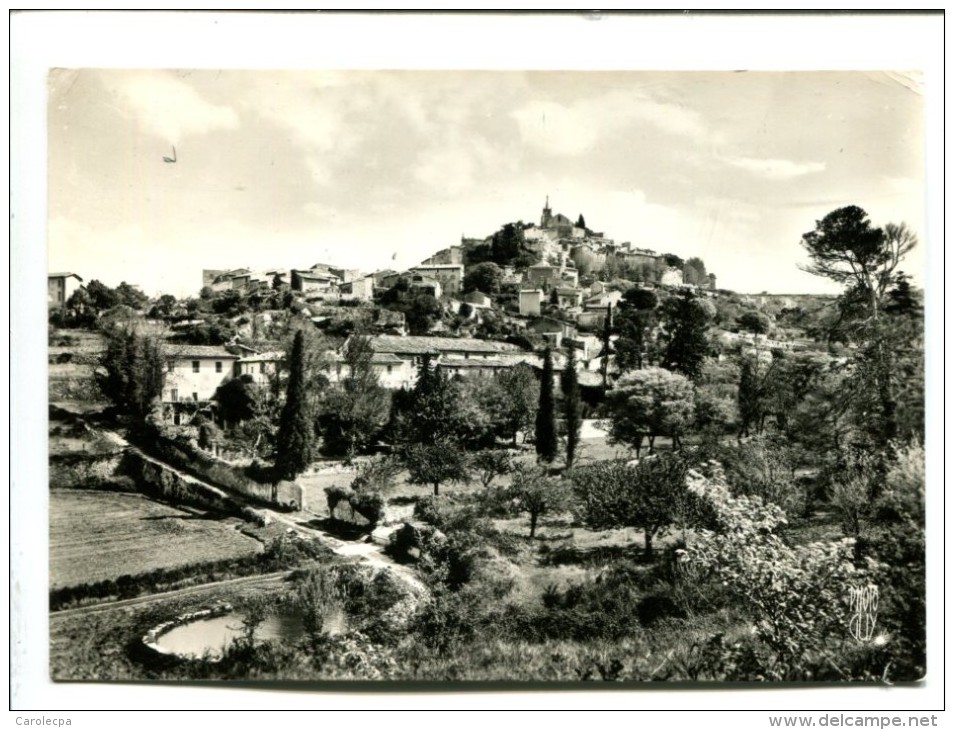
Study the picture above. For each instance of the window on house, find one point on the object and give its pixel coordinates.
(195, 366)
(218, 366)
(389, 369)
(174, 395)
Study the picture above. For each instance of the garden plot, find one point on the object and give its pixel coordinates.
(97, 536)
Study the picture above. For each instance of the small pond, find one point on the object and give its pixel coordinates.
(212, 635)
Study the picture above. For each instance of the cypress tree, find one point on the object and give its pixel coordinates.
(607, 331)
(749, 398)
(295, 429)
(572, 407)
(546, 435)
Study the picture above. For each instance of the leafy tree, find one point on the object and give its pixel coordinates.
(545, 432)
(135, 368)
(716, 409)
(508, 246)
(421, 312)
(756, 322)
(572, 407)
(101, 296)
(131, 296)
(537, 494)
(214, 330)
(648, 403)
(377, 475)
(436, 463)
(230, 303)
(651, 495)
(353, 412)
(485, 277)
(163, 307)
(296, 432)
(239, 399)
(520, 396)
(490, 464)
(673, 261)
(580, 222)
(686, 321)
(78, 311)
(694, 272)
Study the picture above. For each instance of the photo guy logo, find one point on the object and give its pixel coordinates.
(863, 602)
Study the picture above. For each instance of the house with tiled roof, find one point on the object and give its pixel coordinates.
(194, 372)
(454, 355)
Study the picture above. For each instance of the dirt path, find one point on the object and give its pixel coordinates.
(367, 552)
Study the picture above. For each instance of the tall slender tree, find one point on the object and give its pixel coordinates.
(605, 353)
(749, 398)
(572, 407)
(296, 433)
(546, 435)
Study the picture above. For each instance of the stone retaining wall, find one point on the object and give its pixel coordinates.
(164, 481)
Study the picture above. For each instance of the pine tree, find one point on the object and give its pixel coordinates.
(687, 323)
(546, 435)
(295, 429)
(572, 408)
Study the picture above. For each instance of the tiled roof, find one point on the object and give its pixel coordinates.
(184, 352)
(386, 358)
(63, 274)
(435, 345)
(490, 362)
(264, 357)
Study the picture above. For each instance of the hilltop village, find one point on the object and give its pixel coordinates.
(473, 308)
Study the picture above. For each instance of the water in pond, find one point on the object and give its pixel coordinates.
(214, 634)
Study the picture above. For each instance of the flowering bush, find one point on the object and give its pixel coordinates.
(798, 596)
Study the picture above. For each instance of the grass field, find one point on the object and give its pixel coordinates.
(101, 535)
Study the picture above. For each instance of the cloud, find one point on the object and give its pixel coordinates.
(775, 169)
(576, 128)
(170, 108)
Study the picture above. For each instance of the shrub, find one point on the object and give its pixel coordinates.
(429, 510)
(797, 596)
(369, 505)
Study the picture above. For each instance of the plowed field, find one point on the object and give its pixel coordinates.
(99, 535)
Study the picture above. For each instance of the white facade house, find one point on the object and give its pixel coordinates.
(262, 367)
(530, 301)
(60, 287)
(195, 373)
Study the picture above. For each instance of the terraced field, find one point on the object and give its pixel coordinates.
(101, 535)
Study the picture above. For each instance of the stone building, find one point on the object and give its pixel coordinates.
(450, 276)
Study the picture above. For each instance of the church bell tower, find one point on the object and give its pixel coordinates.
(547, 214)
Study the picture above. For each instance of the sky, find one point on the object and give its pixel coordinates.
(379, 169)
